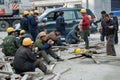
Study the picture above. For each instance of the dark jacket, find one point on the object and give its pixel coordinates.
(110, 31)
(115, 19)
(24, 60)
(32, 23)
(72, 35)
(60, 23)
(24, 23)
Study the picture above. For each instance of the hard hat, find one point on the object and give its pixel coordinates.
(27, 42)
(89, 17)
(25, 13)
(31, 12)
(42, 34)
(83, 11)
(77, 50)
(84, 50)
(36, 11)
(22, 31)
(10, 29)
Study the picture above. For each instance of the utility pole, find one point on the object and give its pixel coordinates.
(87, 3)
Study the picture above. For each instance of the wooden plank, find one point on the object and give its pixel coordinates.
(96, 61)
(75, 57)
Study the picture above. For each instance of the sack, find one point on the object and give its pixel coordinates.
(79, 26)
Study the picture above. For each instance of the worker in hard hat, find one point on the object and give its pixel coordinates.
(10, 45)
(24, 21)
(44, 46)
(85, 27)
(33, 22)
(72, 36)
(31, 13)
(25, 60)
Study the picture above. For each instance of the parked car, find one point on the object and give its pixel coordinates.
(72, 16)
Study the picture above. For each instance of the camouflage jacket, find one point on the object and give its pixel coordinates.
(9, 45)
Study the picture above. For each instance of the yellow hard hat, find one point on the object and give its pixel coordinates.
(77, 50)
(42, 34)
(25, 13)
(27, 42)
(10, 29)
(31, 12)
(83, 11)
(22, 31)
(36, 11)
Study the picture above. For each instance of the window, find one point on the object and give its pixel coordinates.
(79, 15)
(1, 1)
(69, 15)
(52, 16)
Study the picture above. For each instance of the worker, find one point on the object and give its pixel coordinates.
(115, 19)
(10, 43)
(55, 36)
(33, 21)
(85, 27)
(22, 32)
(60, 24)
(110, 31)
(45, 47)
(102, 29)
(24, 21)
(72, 37)
(25, 60)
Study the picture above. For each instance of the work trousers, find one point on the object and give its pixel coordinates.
(38, 64)
(85, 35)
(110, 45)
(44, 54)
(116, 37)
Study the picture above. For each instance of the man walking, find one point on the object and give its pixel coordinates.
(85, 27)
(110, 31)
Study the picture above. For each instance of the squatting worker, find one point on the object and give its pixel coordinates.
(25, 60)
(85, 27)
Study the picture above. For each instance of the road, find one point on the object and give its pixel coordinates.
(86, 69)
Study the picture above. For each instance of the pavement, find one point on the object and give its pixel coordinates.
(86, 69)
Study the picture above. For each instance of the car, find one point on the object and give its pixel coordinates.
(72, 17)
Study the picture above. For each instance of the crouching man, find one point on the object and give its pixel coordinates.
(44, 46)
(72, 37)
(25, 60)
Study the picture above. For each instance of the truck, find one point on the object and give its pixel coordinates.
(11, 11)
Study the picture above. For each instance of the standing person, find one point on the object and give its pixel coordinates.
(115, 19)
(110, 31)
(25, 60)
(24, 21)
(85, 27)
(60, 24)
(44, 46)
(10, 45)
(72, 37)
(33, 21)
(102, 28)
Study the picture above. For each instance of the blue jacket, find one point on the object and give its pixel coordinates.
(32, 23)
(72, 35)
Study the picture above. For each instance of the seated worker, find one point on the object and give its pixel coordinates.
(22, 32)
(26, 61)
(10, 43)
(55, 36)
(45, 47)
(72, 37)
